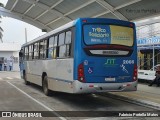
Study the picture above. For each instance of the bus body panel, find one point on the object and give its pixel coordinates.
(102, 74)
(58, 81)
(80, 87)
(102, 70)
(109, 70)
(61, 86)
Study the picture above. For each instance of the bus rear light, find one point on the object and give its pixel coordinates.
(128, 85)
(84, 21)
(131, 25)
(81, 73)
(135, 73)
(91, 86)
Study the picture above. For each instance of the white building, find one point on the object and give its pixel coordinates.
(9, 54)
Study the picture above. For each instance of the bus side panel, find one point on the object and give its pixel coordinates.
(59, 73)
(62, 80)
(34, 71)
(61, 86)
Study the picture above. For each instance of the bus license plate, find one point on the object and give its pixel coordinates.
(110, 79)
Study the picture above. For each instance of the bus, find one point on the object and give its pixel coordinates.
(87, 55)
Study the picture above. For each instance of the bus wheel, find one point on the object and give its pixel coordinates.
(45, 86)
(25, 79)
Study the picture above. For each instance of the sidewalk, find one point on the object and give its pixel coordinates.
(144, 94)
(9, 74)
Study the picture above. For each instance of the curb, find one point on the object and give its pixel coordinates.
(145, 103)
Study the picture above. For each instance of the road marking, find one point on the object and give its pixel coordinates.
(49, 109)
(102, 118)
(18, 77)
(9, 78)
(0, 78)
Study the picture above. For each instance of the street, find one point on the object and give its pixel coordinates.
(16, 96)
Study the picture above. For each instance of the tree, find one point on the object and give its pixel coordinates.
(1, 30)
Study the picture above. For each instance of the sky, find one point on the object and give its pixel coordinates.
(14, 30)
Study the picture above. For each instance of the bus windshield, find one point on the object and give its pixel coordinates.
(108, 34)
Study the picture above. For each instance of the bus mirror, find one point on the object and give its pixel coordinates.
(20, 54)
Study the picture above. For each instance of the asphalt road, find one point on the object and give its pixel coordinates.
(16, 96)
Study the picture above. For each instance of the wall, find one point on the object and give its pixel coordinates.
(7, 56)
(10, 51)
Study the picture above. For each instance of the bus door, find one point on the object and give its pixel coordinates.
(21, 62)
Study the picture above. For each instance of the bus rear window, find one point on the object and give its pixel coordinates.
(108, 34)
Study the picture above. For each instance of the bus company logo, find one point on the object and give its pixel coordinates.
(99, 30)
(99, 33)
(111, 62)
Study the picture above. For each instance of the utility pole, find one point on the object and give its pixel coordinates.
(26, 35)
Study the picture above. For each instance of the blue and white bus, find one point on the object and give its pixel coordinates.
(87, 55)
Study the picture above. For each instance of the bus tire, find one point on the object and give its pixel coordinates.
(46, 91)
(25, 79)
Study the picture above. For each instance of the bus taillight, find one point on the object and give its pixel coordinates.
(84, 21)
(81, 73)
(135, 73)
(131, 25)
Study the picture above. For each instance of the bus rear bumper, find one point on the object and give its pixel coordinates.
(80, 87)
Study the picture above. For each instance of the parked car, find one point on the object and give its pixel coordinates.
(146, 74)
(149, 74)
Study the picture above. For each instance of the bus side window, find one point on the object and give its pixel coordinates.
(36, 50)
(68, 37)
(68, 43)
(61, 46)
(30, 52)
(55, 48)
(50, 47)
(26, 53)
(61, 39)
(62, 51)
(45, 49)
(68, 47)
(64, 46)
(41, 49)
